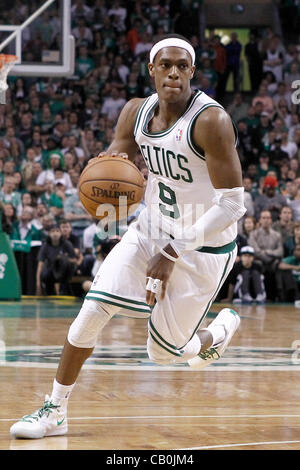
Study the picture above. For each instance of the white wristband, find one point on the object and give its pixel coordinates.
(170, 257)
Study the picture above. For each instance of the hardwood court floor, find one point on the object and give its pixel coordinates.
(247, 400)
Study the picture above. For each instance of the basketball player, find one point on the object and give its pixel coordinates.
(173, 260)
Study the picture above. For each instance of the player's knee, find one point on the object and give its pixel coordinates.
(158, 354)
(92, 317)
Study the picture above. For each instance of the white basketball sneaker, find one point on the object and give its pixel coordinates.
(50, 420)
(230, 320)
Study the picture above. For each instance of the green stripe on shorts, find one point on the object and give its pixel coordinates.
(118, 301)
(163, 347)
(160, 337)
(218, 250)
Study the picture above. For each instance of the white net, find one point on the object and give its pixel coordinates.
(6, 63)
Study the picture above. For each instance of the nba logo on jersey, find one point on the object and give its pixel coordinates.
(179, 135)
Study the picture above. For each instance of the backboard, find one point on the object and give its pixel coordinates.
(39, 34)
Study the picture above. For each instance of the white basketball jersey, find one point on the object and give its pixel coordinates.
(179, 189)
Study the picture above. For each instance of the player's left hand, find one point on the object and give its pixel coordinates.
(159, 267)
(104, 154)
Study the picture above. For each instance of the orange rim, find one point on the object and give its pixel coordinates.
(7, 59)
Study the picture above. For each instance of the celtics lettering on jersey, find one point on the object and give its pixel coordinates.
(167, 163)
(179, 189)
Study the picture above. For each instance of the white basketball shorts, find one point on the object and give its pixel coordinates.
(194, 283)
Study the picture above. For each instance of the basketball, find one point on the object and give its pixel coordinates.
(112, 180)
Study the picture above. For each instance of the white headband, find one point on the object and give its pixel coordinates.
(172, 42)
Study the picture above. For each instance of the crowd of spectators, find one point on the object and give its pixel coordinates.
(50, 127)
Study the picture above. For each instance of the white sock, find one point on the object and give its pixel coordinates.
(191, 349)
(60, 392)
(217, 332)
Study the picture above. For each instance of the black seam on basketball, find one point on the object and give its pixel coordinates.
(111, 179)
(112, 159)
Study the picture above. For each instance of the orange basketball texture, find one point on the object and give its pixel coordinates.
(107, 178)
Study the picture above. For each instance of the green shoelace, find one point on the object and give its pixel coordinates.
(209, 354)
(46, 409)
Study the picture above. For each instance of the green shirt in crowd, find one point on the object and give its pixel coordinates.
(295, 262)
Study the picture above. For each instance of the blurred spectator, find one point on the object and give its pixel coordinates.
(27, 163)
(295, 205)
(55, 159)
(84, 63)
(26, 201)
(47, 221)
(209, 73)
(264, 167)
(247, 226)
(277, 155)
(252, 119)
(292, 240)
(282, 111)
(56, 200)
(133, 34)
(238, 109)
(285, 223)
(82, 33)
(267, 244)
(220, 61)
(273, 59)
(76, 214)
(26, 240)
(254, 60)
(9, 217)
(287, 146)
(72, 147)
(97, 261)
(246, 281)
(292, 75)
(283, 95)
(40, 212)
(245, 143)
(269, 200)
(233, 53)
(288, 277)
(8, 194)
(261, 132)
(119, 14)
(56, 261)
(113, 104)
(265, 99)
(80, 9)
(248, 202)
(66, 231)
(88, 237)
(143, 46)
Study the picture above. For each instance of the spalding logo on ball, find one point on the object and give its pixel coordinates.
(112, 180)
(113, 192)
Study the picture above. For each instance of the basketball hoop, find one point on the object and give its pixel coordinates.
(7, 61)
